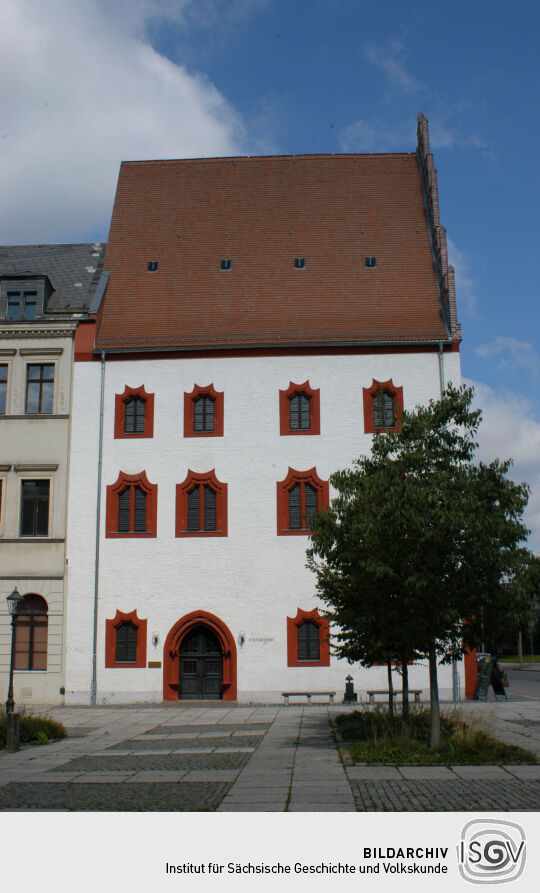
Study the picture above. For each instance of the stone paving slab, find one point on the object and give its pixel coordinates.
(372, 773)
(523, 771)
(425, 772)
(477, 772)
(211, 775)
(136, 762)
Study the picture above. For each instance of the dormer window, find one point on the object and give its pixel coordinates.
(299, 263)
(152, 266)
(22, 305)
(226, 263)
(23, 296)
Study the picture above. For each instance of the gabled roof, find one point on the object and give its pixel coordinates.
(262, 213)
(73, 271)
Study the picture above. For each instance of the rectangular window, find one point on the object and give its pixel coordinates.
(14, 305)
(39, 387)
(35, 508)
(3, 387)
(126, 644)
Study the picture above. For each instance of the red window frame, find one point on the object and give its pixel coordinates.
(111, 625)
(371, 392)
(113, 494)
(283, 489)
(194, 479)
(314, 409)
(189, 411)
(120, 401)
(292, 639)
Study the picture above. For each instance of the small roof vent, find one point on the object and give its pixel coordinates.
(371, 261)
(152, 266)
(226, 264)
(299, 263)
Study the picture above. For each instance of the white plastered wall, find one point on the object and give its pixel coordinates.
(252, 579)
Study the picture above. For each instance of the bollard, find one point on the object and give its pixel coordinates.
(13, 731)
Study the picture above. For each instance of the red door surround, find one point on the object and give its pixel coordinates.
(171, 653)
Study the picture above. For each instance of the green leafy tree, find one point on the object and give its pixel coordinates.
(421, 544)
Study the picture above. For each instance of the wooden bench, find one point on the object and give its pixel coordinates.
(381, 691)
(307, 694)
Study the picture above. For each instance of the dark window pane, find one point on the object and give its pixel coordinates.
(123, 510)
(209, 508)
(311, 501)
(47, 394)
(35, 508)
(140, 510)
(14, 306)
(299, 416)
(308, 641)
(39, 388)
(31, 634)
(30, 305)
(294, 507)
(126, 643)
(383, 410)
(3, 388)
(33, 396)
(134, 416)
(193, 509)
(204, 414)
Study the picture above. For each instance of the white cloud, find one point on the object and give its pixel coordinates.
(513, 354)
(377, 136)
(83, 90)
(465, 285)
(390, 58)
(510, 431)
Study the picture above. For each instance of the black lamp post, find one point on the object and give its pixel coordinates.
(14, 601)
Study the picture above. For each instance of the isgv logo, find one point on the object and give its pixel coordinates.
(491, 851)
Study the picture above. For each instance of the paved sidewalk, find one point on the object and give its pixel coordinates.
(265, 758)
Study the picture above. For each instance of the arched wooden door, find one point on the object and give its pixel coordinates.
(201, 666)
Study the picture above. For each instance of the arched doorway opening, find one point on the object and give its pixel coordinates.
(199, 660)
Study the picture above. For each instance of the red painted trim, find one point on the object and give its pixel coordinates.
(471, 673)
(370, 393)
(314, 408)
(171, 672)
(292, 639)
(182, 490)
(120, 401)
(113, 492)
(333, 350)
(189, 411)
(111, 625)
(283, 487)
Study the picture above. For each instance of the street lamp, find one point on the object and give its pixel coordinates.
(14, 602)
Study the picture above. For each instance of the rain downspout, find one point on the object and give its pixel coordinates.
(93, 689)
(455, 676)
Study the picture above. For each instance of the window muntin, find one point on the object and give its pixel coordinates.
(39, 387)
(3, 387)
(35, 508)
(31, 633)
(383, 410)
(126, 643)
(300, 412)
(134, 416)
(203, 414)
(308, 641)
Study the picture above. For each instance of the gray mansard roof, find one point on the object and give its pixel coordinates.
(73, 271)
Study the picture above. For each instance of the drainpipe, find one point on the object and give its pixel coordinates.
(455, 676)
(93, 689)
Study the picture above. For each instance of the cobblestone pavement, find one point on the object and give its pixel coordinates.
(252, 759)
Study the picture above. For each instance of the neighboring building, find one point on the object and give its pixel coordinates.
(263, 317)
(44, 291)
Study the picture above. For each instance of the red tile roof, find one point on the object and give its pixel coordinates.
(333, 210)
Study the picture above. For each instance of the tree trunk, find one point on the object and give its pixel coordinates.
(390, 688)
(435, 735)
(405, 687)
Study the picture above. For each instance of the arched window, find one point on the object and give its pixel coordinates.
(201, 506)
(383, 405)
(125, 640)
(308, 639)
(203, 412)
(31, 627)
(299, 496)
(134, 413)
(131, 506)
(299, 410)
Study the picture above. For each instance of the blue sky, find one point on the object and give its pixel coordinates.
(104, 81)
